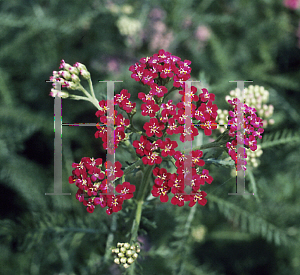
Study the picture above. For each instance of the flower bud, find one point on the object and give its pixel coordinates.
(59, 93)
(120, 255)
(80, 66)
(65, 74)
(126, 245)
(123, 260)
(75, 78)
(130, 260)
(129, 252)
(135, 255)
(85, 74)
(70, 85)
(123, 249)
(271, 121)
(117, 260)
(133, 111)
(74, 70)
(64, 65)
(126, 265)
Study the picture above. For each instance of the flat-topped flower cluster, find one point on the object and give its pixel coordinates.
(155, 143)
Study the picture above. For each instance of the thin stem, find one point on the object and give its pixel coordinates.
(77, 97)
(91, 87)
(140, 200)
(171, 90)
(132, 166)
(130, 148)
(93, 100)
(110, 238)
(208, 145)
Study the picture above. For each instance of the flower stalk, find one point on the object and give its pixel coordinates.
(140, 200)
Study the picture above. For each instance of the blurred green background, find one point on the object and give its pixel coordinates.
(225, 40)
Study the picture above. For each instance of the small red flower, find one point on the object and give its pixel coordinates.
(154, 127)
(167, 147)
(149, 109)
(126, 190)
(161, 191)
(197, 197)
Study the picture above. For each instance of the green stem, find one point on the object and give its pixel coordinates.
(132, 166)
(208, 145)
(130, 148)
(140, 200)
(93, 100)
(77, 97)
(171, 90)
(91, 87)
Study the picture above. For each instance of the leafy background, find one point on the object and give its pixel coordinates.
(225, 40)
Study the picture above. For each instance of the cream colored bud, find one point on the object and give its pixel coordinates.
(123, 249)
(119, 244)
(123, 260)
(127, 9)
(261, 112)
(227, 97)
(271, 121)
(120, 255)
(130, 260)
(126, 265)
(126, 245)
(271, 109)
(129, 252)
(117, 260)
(135, 255)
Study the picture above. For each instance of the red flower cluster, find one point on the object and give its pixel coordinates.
(167, 118)
(120, 123)
(93, 185)
(251, 123)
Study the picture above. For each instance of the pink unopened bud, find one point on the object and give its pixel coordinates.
(64, 65)
(65, 74)
(74, 70)
(58, 93)
(75, 78)
(85, 74)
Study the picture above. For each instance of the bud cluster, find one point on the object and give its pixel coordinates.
(125, 254)
(68, 76)
(255, 97)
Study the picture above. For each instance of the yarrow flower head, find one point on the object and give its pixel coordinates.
(94, 187)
